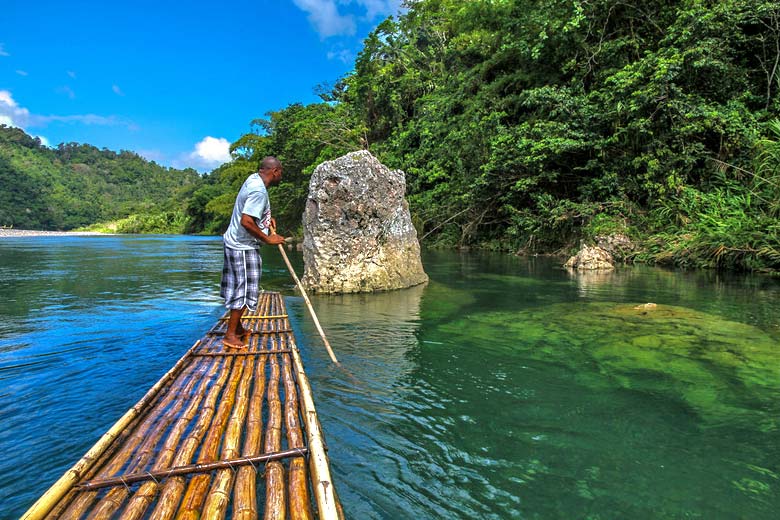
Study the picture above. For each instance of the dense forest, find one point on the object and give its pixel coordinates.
(522, 126)
(76, 185)
(532, 125)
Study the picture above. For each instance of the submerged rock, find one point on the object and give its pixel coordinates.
(591, 258)
(722, 370)
(357, 230)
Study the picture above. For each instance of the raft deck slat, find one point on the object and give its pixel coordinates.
(190, 469)
(242, 353)
(223, 432)
(222, 332)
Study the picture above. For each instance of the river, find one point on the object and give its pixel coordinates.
(504, 388)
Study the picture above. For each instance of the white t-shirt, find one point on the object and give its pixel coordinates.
(252, 199)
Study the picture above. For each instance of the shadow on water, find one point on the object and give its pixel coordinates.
(504, 388)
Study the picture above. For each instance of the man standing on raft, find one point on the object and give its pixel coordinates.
(250, 225)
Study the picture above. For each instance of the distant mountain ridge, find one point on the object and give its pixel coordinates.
(77, 185)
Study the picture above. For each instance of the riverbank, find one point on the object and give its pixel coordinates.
(14, 233)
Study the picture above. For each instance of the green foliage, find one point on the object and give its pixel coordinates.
(765, 183)
(77, 185)
(168, 222)
(607, 223)
(532, 125)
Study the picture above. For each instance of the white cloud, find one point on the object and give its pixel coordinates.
(375, 8)
(343, 55)
(71, 74)
(14, 115)
(86, 119)
(44, 141)
(11, 114)
(213, 149)
(6, 98)
(22, 72)
(328, 18)
(325, 17)
(3, 52)
(209, 153)
(117, 90)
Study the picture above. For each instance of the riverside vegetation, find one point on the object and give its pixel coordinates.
(533, 125)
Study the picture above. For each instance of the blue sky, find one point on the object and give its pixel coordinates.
(173, 81)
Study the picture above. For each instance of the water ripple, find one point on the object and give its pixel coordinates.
(434, 414)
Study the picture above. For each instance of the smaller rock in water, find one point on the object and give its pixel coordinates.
(357, 230)
(591, 258)
(646, 306)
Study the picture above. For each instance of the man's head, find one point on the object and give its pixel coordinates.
(270, 171)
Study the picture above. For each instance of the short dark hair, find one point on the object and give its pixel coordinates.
(269, 163)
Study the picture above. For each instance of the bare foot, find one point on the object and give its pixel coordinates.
(231, 341)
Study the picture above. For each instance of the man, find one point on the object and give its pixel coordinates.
(250, 224)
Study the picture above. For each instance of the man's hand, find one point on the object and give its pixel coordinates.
(274, 239)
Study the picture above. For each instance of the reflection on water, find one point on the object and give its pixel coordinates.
(504, 388)
(589, 282)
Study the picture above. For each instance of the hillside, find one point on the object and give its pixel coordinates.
(76, 185)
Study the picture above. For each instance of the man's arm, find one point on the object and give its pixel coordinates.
(249, 224)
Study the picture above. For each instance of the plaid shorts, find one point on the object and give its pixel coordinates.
(241, 278)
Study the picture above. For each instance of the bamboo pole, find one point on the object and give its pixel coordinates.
(47, 501)
(300, 502)
(241, 354)
(308, 304)
(327, 505)
(148, 491)
(114, 499)
(139, 434)
(75, 502)
(257, 316)
(222, 333)
(151, 438)
(140, 444)
(198, 487)
(245, 489)
(173, 488)
(275, 499)
(109, 464)
(192, 469)
(218, 498)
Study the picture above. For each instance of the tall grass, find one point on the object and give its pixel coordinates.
(731, 225)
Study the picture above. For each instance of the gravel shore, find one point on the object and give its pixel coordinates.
(11, 233)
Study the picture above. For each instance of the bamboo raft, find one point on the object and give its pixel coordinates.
(218, 428)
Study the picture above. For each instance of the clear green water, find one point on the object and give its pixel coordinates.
(505, 388)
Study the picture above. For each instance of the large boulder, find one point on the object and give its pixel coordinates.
(591, 258)
(357, 231)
